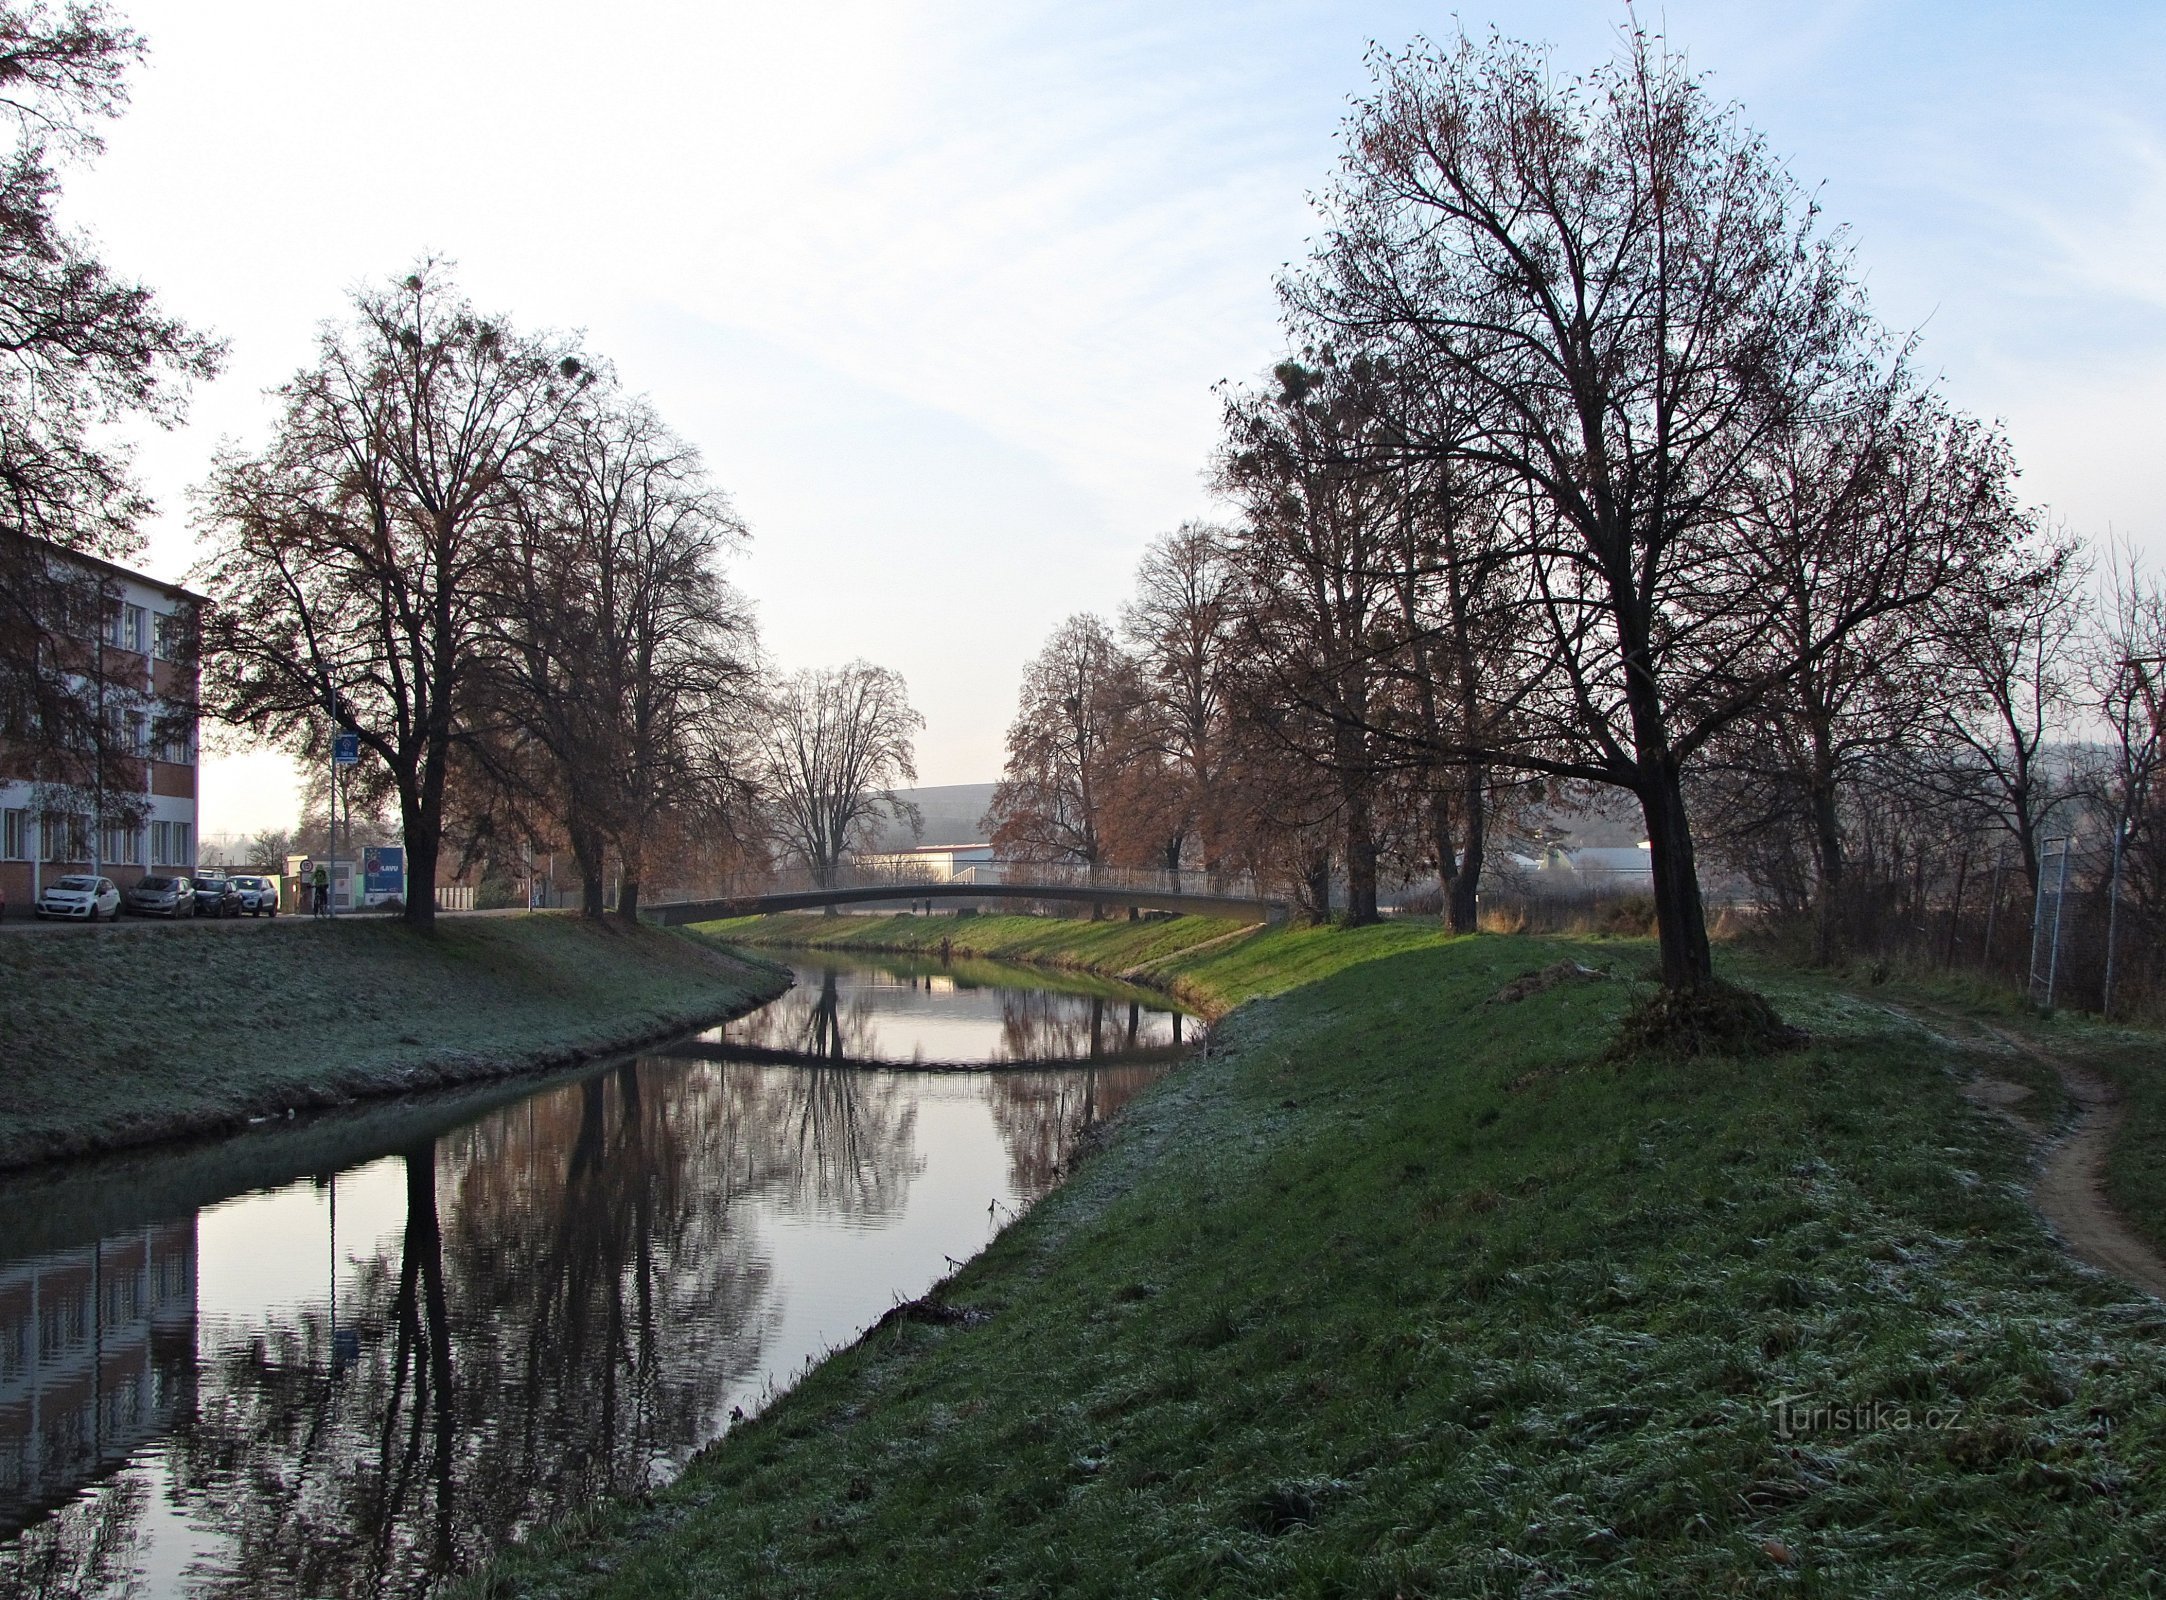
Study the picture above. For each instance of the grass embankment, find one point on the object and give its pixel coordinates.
(1397, 1292)
(120, 1037)
(1156, 953)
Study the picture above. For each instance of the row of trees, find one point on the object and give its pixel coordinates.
(1592, 470)
(470, 548)
(464, 544)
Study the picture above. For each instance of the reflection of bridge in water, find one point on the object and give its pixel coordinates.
(991, 883)
(822, 1025)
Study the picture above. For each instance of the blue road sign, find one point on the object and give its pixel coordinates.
(346, 749)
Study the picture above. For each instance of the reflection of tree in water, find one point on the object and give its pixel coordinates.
(814, 1020)
(853, 1133)
(568, 1307)
(88, 1547)
(1039, 1026)
(1041, 1115)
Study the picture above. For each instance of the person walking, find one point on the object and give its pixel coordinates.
(320, 881)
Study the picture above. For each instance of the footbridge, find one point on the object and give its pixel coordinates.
(992, 884)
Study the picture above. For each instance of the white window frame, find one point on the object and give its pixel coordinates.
(18, 835)
(60, 835)
(170, 845)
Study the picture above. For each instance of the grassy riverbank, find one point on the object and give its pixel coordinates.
(1398, 1292)
(1159, 953)
(124, 1036)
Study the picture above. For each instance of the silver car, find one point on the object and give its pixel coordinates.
(80, 898)
(161, 896)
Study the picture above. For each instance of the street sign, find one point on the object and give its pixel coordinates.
(346, 749)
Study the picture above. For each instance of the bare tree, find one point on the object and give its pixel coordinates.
(2126, 676)
(1615, 298)
(1065, 748)
(2007, 640)
(618, 638)
(837, 743)
(1181, 631)
(349, 560)
(1888, 492)
(1316, 580)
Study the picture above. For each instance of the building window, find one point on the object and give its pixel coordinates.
(66, 836)
(120, 846)
(15, 837)
(176, 738)
(170, 845)
(110, 631)
(172, 633)
(136, 635)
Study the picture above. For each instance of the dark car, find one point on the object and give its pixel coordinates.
(216, 897)
(160, 896)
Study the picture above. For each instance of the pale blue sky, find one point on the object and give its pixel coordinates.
(941, 289)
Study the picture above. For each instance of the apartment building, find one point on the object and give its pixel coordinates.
(127, 806)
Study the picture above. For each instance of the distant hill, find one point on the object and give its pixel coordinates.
(951, 813)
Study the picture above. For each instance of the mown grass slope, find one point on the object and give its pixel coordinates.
(1151, 950)
(114, 1037)
(1398, 1292)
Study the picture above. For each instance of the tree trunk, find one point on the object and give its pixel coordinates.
(1440, 841)
(1360, 863)
(1466, 888)
(1827, 861)
(1319, 886)
(423, 829)
(631, 857)
(587, 853)
(1680, 918)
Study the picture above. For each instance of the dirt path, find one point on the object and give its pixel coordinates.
(2070, 1190)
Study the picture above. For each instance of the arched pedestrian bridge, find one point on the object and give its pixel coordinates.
(993, 884)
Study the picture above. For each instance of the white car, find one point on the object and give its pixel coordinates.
(81, 897)
(259, 896)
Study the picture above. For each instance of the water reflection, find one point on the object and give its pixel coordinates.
(961, 1016)
(355, 1383)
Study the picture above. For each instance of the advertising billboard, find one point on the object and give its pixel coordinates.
(383, 872)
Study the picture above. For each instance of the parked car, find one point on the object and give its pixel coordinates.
(216, 897)
(161, 896)
(80, 897)
(259, 896)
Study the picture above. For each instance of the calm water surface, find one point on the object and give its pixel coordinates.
(352, 1355)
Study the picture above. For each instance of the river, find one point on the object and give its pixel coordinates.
(352, 1354)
